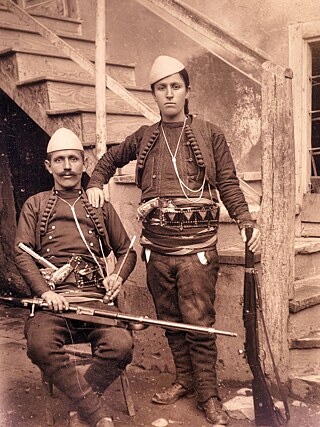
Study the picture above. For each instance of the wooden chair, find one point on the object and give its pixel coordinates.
(82, 357)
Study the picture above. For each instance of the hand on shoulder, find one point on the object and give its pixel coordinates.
(96, 197)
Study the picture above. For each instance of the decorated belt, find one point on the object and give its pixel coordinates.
(86, 277)
(185, 217)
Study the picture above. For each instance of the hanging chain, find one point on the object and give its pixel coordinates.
(183, 186)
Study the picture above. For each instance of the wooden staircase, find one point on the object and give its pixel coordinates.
(53, 90)
(304, 322)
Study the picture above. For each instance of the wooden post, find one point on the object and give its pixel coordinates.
(277, 209)
(100, 62)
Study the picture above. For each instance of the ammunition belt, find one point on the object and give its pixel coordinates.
(185, 217)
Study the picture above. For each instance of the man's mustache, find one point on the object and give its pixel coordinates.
(69, 173)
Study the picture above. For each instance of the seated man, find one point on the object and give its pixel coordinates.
(58, 225)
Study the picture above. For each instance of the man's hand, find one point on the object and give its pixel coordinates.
(55, 301)
(254, 242)
(112, 284)
(95, 196)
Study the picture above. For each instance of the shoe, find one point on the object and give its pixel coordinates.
(214, 412)
(172, 394)
(76, 421)
(105, 422)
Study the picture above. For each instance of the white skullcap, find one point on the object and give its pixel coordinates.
(164, 66)
(64, 139)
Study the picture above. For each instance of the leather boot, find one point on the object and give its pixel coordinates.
(105, 422)
(213, 411)
(75, 387)
(76, 421)
(171, 394)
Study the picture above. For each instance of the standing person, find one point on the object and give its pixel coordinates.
(181, 163)
(57, 225)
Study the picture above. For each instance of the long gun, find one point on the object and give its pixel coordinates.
(266, 413)
(134, 322)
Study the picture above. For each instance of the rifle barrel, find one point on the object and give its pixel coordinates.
(172, 325)
(78, 309)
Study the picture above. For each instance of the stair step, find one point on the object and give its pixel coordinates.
(302, 323)
(304, 362)
(305, 355)
(307, 245)
(307, 260)
(306, 294)
(312, 340)
(235, 254)
(55, 24)
(306, 387)
(30, 40)
(118, 125)
(63, 94)
(62, 67)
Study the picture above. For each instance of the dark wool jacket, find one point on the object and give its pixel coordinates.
(210, 151)
(33, 224)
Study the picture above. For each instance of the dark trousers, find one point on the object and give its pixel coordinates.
(112, 350)
(183, 290)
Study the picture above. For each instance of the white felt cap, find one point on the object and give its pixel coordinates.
(64, 139)
(164, 66)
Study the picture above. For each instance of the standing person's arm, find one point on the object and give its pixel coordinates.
(230, 192)
(116, 157)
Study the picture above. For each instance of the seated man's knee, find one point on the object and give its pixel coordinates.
(38, 353)
(118, 343)
(124, 346)
(44, 352)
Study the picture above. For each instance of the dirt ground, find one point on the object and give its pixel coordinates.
(22, 401)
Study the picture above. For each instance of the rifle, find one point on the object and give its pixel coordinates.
(92, 315)
(266, 413)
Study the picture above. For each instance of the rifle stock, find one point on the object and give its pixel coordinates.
(266, 413)
(92, 314)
